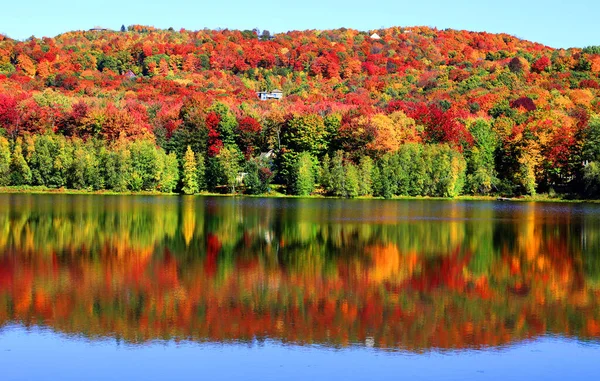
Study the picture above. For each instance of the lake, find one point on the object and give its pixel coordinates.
(151, 287)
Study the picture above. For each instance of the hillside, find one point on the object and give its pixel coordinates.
(418, 111)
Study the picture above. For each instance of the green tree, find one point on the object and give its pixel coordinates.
(481, 159)
(304, 175)
(118, 167)
(146, 165)
(351, 186)
(20, 172)
(305, 133)
(325, 173)
(228, 123)
(229, 160)
(337, 183)
(365, 184)
(63, 159)
(201, 171)
(4, 162)
(170, 174)
(190, 172)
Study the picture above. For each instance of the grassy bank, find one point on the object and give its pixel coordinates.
(276, 192)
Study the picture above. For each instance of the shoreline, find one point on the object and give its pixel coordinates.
(63, 191)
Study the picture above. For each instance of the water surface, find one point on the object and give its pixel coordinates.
(155, 287)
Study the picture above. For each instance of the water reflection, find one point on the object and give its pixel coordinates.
(389, 274)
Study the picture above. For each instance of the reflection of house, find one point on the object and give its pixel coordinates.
(130, 75)
(267, 95)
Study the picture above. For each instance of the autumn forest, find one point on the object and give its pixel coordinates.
(394, 112)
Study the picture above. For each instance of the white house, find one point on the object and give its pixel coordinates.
(375, 36)
(267, 95)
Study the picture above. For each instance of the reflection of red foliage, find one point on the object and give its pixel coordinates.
(213, 246)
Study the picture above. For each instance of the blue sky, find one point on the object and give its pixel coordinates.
(557, 23)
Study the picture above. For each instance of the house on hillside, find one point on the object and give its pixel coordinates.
(375, 36)
(268, 95)
(98, 29)
(130, 75)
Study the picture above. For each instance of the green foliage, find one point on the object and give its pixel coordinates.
(117, 164)
(592, 179)
(337, 186)
(229, 161)
(4, 162)
(352, 186)
(258, 176)
(591, 140)
(481, 158)
(147, 165)
(303, 175)
(201, 172)
(365, 183)
(190, 173)
(170, 175)
(20, 173)
(305, 133)
(228, 123)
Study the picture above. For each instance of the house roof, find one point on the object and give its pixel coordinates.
(375, 36)
(277, 91)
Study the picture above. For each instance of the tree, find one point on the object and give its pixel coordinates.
(123, 29)
(351, 188)
(303, 175)
(201, 171)
(117, 167)
(229, 160)
(337, 182)
(190, 172)
(305, 133)
(170, 174)
(20, 173)
(4, 162)
(365, 184)
(481, 158)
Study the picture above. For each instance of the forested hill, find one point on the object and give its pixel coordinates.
(399, 111)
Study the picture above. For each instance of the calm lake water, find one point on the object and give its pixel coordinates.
(123, 287)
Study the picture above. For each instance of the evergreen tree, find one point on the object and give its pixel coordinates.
(351, 185)
(123, 28)
(325, 173)
(201, 171)
(19, 169)
(252, 180)
(365, 185)
(190, 172)
(62, 161)
(337, 184)
(4, 162)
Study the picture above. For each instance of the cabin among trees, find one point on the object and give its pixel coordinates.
(268, 95)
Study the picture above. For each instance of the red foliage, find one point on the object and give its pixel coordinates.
(440, 126)
(9, 114)
(214, 142)
(589, 83)
(248, 134)
(541, 64)
(525, 103)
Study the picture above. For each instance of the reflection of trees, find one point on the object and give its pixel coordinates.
(304, 271)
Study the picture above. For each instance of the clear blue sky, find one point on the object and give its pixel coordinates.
(557, 23)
